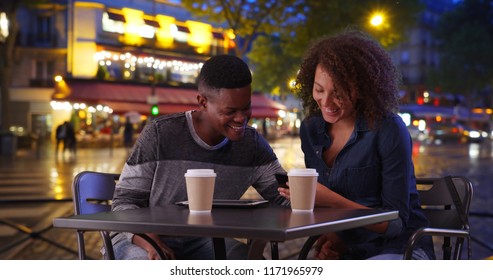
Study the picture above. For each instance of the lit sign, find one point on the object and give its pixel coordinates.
(4, 27)
(111, 25)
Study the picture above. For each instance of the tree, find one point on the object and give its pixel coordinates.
(466, 36)
(246, 18)
(276, 56)
(7, 45)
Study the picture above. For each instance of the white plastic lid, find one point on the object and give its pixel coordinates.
(200, 173)
(302, 172)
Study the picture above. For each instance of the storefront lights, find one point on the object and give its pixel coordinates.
(67, 106)
(4, 27)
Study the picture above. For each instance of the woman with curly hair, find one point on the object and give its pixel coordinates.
(359, 146)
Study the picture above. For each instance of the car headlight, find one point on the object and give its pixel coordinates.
(474, 134)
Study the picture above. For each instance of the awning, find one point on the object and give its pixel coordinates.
(116, 17)
(122, 98)
(182, 28)
(218, 35)
(152, 23)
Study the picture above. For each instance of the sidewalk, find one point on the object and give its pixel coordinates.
(26, 164)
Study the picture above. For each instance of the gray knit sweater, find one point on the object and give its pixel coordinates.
(154, 172)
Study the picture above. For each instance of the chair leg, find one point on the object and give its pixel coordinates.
(108, 246)
(447, 249)
(307, 247)
(81, 245)
(256, 249)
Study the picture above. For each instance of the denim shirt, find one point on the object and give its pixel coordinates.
(375, 169)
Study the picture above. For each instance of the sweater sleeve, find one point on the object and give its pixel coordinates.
(133, 189)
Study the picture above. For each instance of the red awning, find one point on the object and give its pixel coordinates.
(123, 98)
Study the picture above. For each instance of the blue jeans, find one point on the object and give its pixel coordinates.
(185, 248)
(418, 254)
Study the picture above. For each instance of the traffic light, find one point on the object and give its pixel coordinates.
(154, 110)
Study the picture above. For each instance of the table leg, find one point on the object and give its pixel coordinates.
(274, 249)
(219, 248)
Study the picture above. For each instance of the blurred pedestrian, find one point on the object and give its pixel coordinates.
(60, 134)
(70, 142)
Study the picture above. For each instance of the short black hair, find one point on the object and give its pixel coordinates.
(224, 71)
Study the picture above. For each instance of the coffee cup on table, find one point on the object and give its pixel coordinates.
(200, 189)
(302, 188)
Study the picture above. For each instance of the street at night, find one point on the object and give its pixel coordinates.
(29, 176)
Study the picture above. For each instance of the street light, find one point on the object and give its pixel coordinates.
(377, 19)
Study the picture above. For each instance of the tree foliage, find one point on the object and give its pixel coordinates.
(466, 36)
(280, 53)
(246, 18)
(278, 31)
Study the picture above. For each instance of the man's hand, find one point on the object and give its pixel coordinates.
(151, 252)
(329, 247)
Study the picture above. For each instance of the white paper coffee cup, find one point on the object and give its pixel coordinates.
(302, 188)
(200, 189)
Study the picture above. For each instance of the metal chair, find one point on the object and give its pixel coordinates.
(446, 202)
(92, 193)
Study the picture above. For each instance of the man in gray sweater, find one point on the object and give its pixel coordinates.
(215, 136)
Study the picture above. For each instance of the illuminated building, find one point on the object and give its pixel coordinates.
(110, 58)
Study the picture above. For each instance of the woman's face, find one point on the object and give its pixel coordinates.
(334, 106)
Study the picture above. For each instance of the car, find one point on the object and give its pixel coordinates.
(445, 132)
(417, 134)
(473, 135)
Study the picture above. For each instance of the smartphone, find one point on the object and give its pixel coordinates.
(282, 179)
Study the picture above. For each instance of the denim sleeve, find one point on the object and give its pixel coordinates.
(395, 150)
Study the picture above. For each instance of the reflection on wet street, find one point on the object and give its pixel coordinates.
(50, 176)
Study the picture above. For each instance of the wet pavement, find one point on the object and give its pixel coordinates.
(43, 174)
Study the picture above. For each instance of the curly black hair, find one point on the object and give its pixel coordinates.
(356, 63)
(223, 71)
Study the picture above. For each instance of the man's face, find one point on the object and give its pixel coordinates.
(229, 112)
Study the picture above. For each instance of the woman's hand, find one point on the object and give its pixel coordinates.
(329, 247)
(283, 191)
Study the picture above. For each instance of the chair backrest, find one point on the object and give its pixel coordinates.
(90, 188)
(438, 203)
(92, 193)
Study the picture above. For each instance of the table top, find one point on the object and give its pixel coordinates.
(26, 200)
(273, 223)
